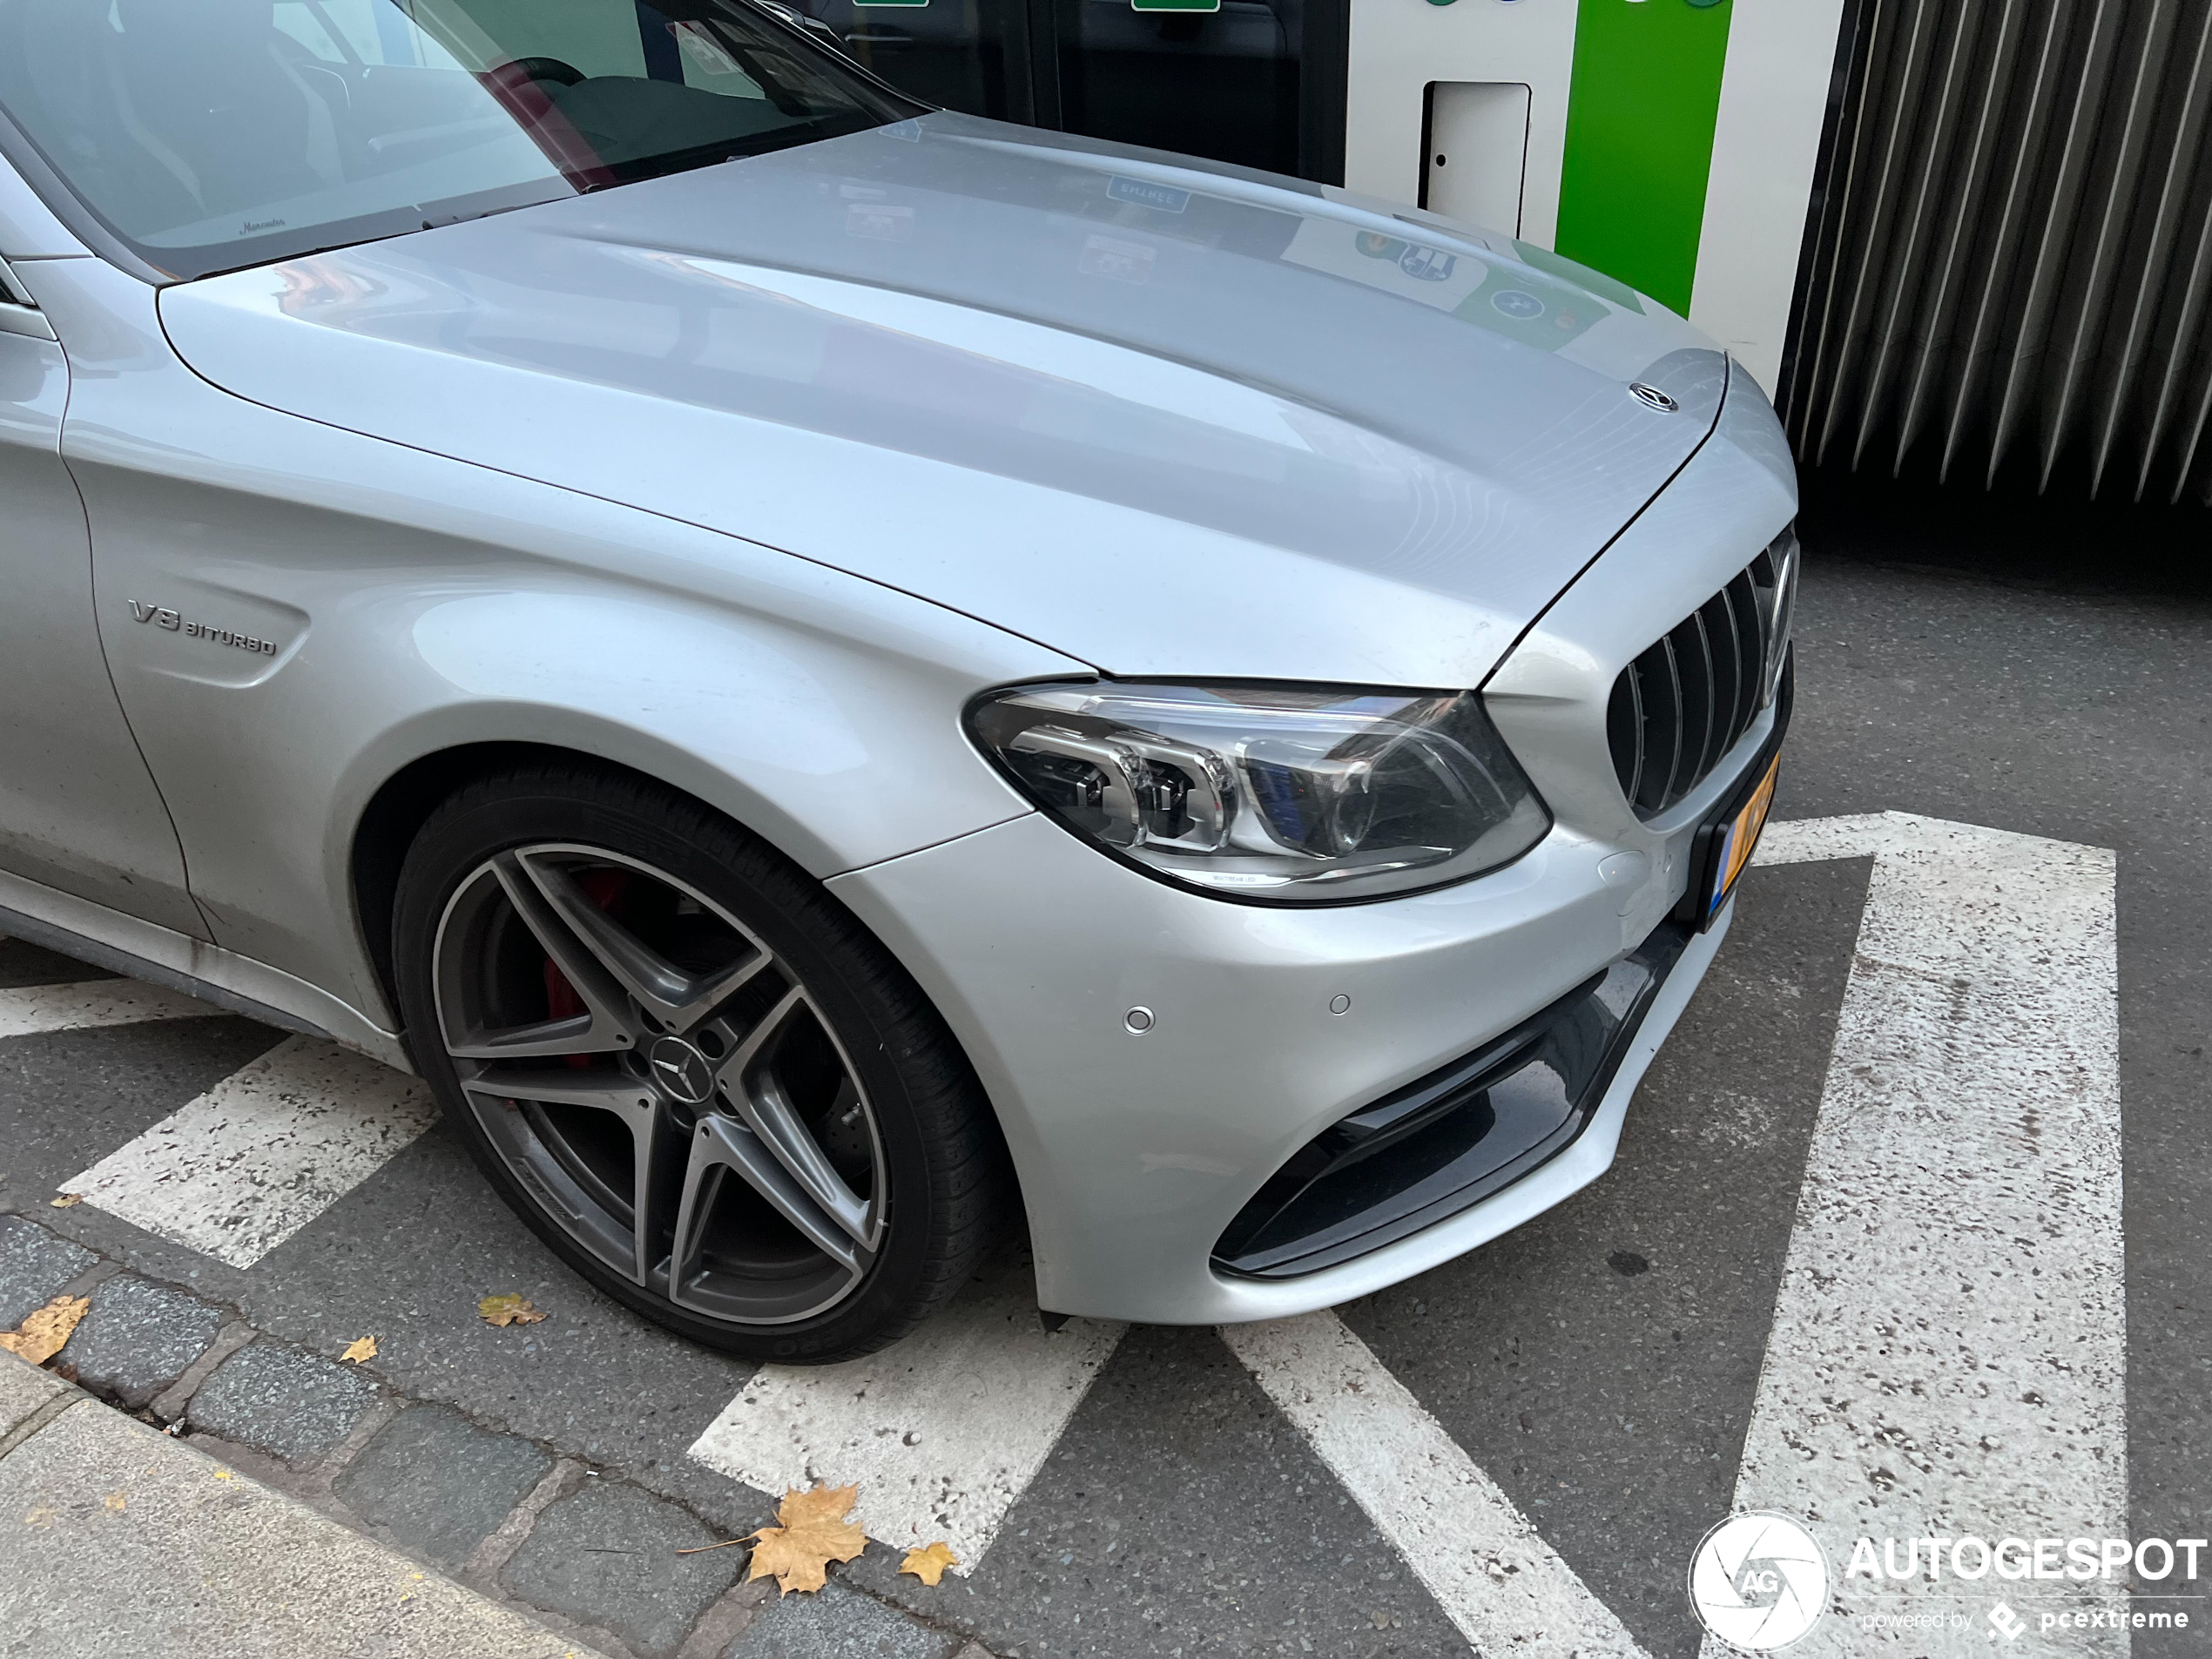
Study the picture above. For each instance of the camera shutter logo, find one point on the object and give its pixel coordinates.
(1758, 1582)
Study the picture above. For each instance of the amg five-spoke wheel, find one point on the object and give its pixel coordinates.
(653, 1071)
(672, 1080)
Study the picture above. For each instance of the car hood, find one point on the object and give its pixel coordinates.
(1164, 416)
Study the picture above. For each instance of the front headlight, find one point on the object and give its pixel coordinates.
(1312, 795)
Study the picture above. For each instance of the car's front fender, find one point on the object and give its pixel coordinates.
(346, 606)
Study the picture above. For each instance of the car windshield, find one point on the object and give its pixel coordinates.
(212, 134)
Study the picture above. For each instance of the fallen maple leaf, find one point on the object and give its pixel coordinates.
(812, 1531)
(507, 1310)
(39, 1338)
(928, 1563)
(66, 1201)
(359, 1349)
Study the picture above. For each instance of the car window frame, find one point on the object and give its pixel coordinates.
(84, 221)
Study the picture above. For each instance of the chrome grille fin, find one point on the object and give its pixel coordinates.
(1679, 709)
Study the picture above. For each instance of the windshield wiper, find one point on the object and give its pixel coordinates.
(487, 213)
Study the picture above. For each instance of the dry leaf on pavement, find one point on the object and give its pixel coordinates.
(812, 1533)
(66, 1201)
(929, 1562)
(39, 1338)
(359, 1349)
(509, 1310)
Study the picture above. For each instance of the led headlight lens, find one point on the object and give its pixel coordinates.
(1308, 793)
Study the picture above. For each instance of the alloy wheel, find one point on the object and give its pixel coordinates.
(660, 1083)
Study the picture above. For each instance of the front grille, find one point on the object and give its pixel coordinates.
(1682, 705)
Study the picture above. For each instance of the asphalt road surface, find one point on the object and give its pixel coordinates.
(1908, 1235)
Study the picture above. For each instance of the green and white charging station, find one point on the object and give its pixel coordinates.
(1669, 144)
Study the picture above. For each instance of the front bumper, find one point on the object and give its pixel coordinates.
(1135, 1151)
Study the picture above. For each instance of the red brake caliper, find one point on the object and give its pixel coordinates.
(603, 887)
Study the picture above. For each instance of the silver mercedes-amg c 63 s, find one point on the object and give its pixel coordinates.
(831, 673)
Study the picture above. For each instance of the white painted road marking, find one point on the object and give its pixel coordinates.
(30, 1010)
(1949, 1344)
(942, 1432)
(1496, 1579)
(239, 1170)
(1964, 1193)
(1955, 1268)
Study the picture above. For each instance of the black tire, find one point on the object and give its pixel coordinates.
(930, 1155)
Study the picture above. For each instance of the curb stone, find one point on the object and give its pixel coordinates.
(302, 1432)
(131, 1543)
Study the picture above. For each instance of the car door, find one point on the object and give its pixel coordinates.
(79, 810)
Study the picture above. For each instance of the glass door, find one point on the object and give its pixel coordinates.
(967, 55)
(1260, 83)
(1222, 83)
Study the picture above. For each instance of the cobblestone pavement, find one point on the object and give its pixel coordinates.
(521, 1521)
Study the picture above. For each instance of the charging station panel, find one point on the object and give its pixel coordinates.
(1669, 144)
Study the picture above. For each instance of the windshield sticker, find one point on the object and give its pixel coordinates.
(705, 53)
(1142, 193)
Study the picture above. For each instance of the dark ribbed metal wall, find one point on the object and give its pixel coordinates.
(2010, 277)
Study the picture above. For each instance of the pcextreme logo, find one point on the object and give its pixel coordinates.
(1758, 1581)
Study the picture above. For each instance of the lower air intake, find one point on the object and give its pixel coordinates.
(1439, 1145)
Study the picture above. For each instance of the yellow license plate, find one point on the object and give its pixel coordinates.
(1741, 836)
